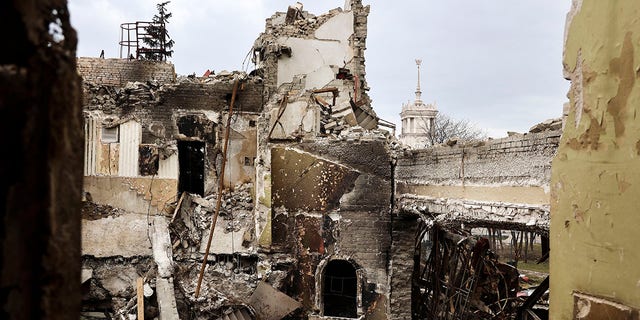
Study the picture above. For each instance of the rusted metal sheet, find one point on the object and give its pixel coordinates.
(271, 304)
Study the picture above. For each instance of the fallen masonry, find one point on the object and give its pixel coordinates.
(324, 217)
(323, 213)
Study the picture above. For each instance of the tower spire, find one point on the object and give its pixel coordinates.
(418, 92)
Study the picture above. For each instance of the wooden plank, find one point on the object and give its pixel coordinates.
(330, 89)
(323, 102)
(140, 290)
(175, 212)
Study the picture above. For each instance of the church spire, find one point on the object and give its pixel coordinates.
(418, 92)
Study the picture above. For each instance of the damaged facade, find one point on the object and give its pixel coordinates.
(322, 213)
(304, 220)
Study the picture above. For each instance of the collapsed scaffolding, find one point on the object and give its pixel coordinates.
(457, 276)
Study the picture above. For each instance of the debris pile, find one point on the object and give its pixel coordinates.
(193, 221)
(109, 287)
(95, 211)
(461, 278)
(228, 280)
(134, 94)
(549, 124)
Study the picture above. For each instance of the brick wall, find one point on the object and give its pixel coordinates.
(516, 160)
(496, 183)
(217, 96)
(117, 72)
(402, 250)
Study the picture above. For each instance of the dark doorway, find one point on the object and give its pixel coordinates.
(340, 289)
(191, 161)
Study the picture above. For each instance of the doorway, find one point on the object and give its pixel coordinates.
(340, 289)
(191, 162)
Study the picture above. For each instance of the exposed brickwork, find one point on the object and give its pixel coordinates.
(520, 161)
(117, 72)
(357, 230)
(216, 96)
(161, 106)
(358, 41)
(402, 251)
(517, 160)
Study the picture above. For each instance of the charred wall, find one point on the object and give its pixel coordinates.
(41, 115)
(117, 72)
(329, 204)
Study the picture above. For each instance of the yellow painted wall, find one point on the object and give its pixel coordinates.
(595, 207)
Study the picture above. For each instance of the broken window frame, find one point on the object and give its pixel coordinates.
(110, 134)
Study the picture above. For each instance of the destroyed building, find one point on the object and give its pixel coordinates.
(319, 203)
(321, 214)
(307, 187)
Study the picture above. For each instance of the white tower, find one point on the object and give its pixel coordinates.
(417, 119)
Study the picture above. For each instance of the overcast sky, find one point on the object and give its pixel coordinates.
(497, 63)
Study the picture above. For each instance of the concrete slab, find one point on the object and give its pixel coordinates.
(162, 251)
(166, 299)
(124, 235)
(271, 304)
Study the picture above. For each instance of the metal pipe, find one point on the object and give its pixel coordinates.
(220, 186)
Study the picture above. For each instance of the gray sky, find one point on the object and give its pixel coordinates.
(497, 63)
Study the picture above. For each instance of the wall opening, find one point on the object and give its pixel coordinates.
(191, 162)
(340, 289)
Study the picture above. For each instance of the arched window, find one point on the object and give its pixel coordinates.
(340, 289)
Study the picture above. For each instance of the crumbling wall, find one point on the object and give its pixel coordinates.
(401, 266)
(494, 182)
(331, 200)
(596, 177)
(40, 111)
(303, 58)
(500, 183)
(323, 177)
(117, 72)
(166, 113)
(135, 194)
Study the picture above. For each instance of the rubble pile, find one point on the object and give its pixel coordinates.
(134, 94)
(189, 228)
(108, 287)
(357, 133)
(297, 22)
(94, 211)
(549, 124)
(229, 278)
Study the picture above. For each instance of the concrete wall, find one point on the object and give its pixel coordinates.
(117, 72)
(133, 194)
(596, 174)
(501, 181)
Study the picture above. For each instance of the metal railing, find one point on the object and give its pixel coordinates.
(133, 36)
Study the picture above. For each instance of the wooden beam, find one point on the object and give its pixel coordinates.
(323, 90)
(140, 290)
(175, 212)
